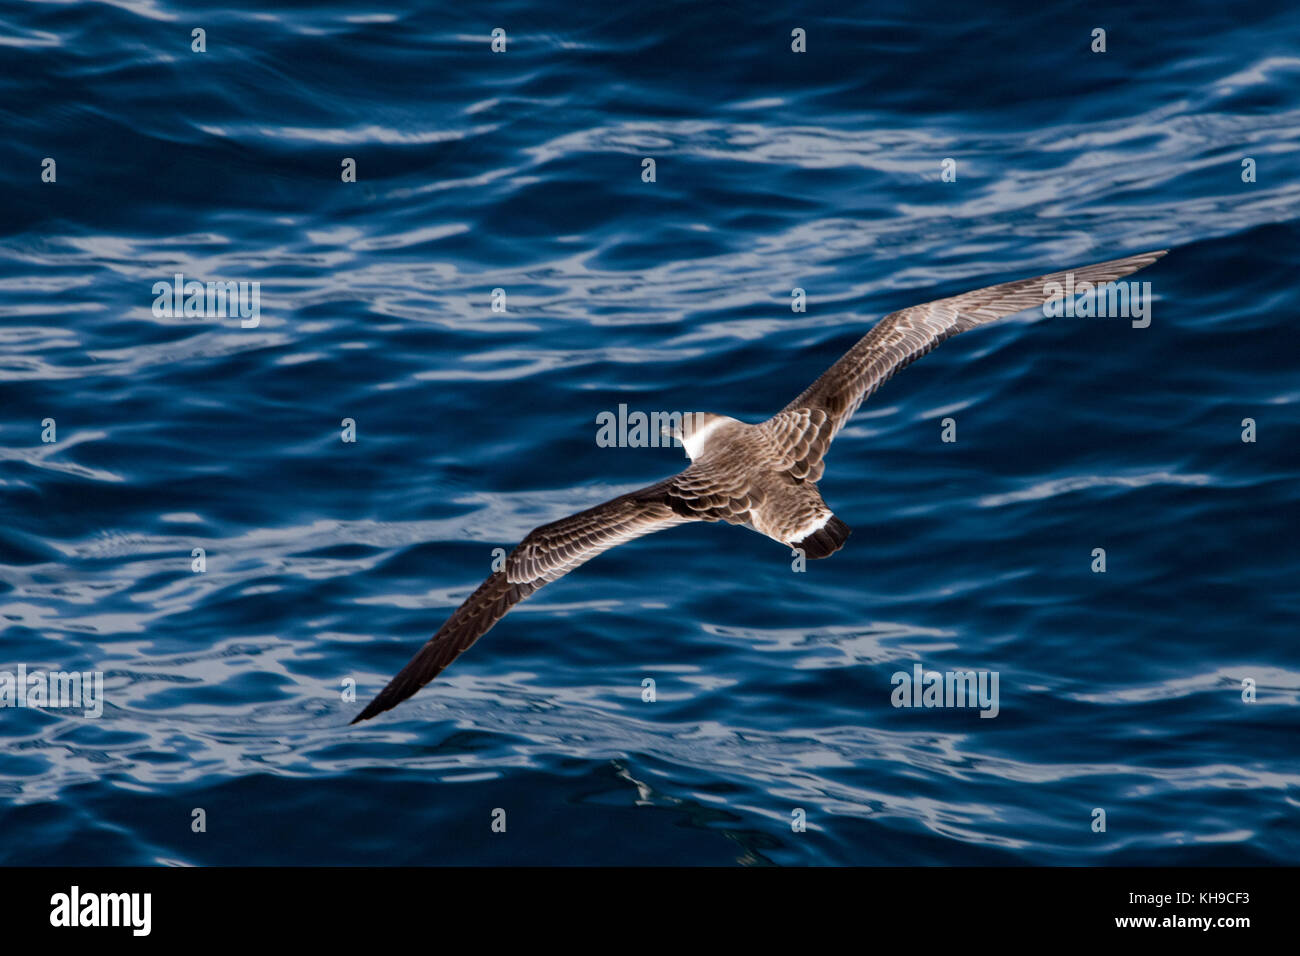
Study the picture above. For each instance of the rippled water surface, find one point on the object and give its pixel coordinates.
(522, 171)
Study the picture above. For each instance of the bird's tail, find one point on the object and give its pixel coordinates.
(826, 540)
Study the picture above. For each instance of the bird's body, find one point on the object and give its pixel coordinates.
(762, 475)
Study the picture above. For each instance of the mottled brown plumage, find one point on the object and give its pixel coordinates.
(762, 475)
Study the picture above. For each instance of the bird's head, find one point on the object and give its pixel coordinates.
(693, 429)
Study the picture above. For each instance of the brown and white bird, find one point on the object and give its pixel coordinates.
(762, 475)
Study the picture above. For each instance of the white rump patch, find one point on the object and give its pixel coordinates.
(812, 527)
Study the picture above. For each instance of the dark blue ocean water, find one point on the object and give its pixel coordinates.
(521, 170)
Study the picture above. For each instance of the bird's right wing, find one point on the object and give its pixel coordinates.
(552, 551)
(812, 420)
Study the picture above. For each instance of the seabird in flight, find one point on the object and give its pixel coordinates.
(762, 475)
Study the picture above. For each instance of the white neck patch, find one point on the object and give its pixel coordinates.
(695, 444)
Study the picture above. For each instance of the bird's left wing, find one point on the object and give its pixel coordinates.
(548, 553)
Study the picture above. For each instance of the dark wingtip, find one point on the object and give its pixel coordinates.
(376, 706)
